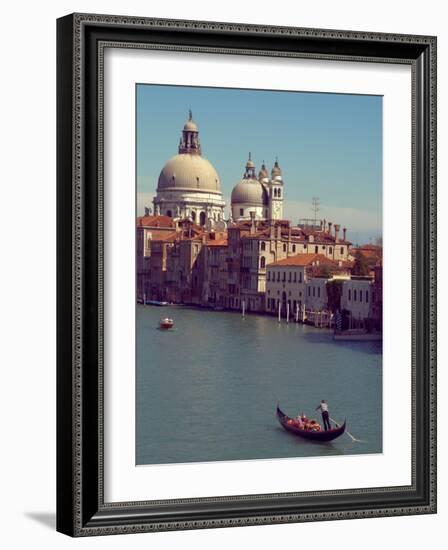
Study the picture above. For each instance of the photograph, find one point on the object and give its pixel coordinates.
(259, 261)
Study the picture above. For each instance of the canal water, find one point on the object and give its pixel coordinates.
(207, 390)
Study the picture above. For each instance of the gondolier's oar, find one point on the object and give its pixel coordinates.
(348, 433)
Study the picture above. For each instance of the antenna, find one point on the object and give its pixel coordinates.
(315, 202)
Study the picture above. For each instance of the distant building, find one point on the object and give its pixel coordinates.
(293, 283)
(357, 296)
(188, 185)
(258, 197)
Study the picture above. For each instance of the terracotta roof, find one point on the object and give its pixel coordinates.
(304, 260)
(217, 242)
(163, 235)
(155, 221)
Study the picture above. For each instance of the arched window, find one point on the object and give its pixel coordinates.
(202, 218)
(193, 216)
(279, 193)
(263, 245)
(262, 262)
(169, 213)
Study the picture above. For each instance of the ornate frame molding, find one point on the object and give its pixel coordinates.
(81, 42)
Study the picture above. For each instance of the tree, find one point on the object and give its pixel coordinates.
(334, 293)
(361, 264)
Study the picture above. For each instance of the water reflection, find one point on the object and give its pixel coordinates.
(207, 389)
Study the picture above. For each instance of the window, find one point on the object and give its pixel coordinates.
(241, 211)
(342, 250)
(269, 276)
(278, 275)
(169, 213)
(284, 276)
(300, 276)
(290, 277)
(360, 295)
(330, 250)
(316, 249)
(284, 248)
(262, 262)
(354, 295)
(318, 291)
(314, 291)
(309, 291)
(295, 276)
(367, 295)
(293, 247)
(279, 193)
(349, 295)
(263, 245)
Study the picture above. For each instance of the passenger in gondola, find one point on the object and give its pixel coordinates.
(325, 414)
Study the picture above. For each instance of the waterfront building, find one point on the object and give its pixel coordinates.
(259, 196)
(377, 295)
(298, 283)
(150, 230)
(188, 185)
(356, 299)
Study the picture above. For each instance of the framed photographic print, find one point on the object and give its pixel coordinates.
(246, 274)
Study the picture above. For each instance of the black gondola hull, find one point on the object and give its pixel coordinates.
(325, 436)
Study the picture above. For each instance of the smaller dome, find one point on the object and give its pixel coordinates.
(263, 173)
(276, 170)
(191, 126)
(249, 191)
(250, 162)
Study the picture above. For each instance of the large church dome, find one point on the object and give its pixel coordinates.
(189, 171)
(188, 185)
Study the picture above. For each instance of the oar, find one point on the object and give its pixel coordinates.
(348, 433)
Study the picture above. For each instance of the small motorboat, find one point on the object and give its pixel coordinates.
(156, 303)
(166, 323)
(292, 426)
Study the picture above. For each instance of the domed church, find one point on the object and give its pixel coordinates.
(189, 186)
(261, 197)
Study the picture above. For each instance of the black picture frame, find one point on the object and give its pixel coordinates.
(81, 510)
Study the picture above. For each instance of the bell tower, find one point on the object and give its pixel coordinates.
(276, 193)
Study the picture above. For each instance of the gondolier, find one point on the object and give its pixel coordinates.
(325, 414)
(291, 425)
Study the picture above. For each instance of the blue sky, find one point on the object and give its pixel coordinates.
(328, 146)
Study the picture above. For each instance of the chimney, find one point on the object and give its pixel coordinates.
(337, 227)
(329, 227)
(252, 222)
(279, 231)
(344, 231)
(324, 225)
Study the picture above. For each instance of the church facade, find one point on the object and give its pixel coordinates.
(188, 185)
(258, 197)
(189, 188)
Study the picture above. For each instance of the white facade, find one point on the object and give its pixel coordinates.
(357, 298)
(316, 294)
(260, 197)
(285, 285)
(188, 185)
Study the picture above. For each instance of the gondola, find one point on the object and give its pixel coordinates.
(328, 435)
